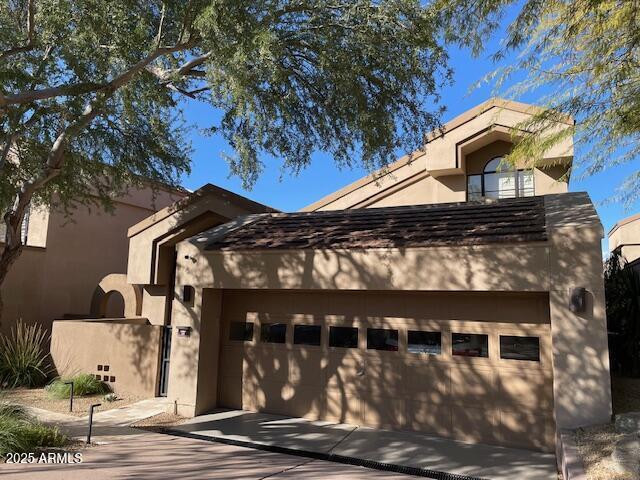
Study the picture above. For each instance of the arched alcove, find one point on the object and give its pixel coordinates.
(113, 291)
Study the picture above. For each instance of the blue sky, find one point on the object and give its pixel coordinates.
(290, 193)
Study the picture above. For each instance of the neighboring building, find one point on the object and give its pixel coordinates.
(624, 238)
(64, 258)
(478, 320)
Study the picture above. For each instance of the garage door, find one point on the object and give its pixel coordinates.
(467, 366)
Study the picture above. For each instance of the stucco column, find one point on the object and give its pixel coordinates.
(194, 358)
(582, 386)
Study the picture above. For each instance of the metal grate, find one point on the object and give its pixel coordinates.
(329, 457)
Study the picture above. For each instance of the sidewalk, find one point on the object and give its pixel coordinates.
(106, 424)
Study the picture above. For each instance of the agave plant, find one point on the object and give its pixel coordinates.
(23, 361)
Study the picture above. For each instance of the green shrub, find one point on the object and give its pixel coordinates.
(21, 433)
(23, 362)
(83, 384)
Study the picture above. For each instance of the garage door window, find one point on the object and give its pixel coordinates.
(273, 333)
(306, 335)
(382, 339)
(344, 337)
(470, 344)
(520, 348)
(241, 331)
(424, 342)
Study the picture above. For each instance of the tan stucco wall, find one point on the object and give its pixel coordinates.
(205, 208)
(129, 349)
(445, 152)
(625, 235)
(410, 185)
(60, 278)
(571, 258)
(437, 172)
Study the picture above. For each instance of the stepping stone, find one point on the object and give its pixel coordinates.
(628, 423)
(626, 455)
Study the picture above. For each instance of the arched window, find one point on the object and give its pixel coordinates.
(499, 180)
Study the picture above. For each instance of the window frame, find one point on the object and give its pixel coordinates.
(479, 334)
(357, 329)
(271, 324)
(439, 333)
(378, 330)
(245, 340)
(318, 327)
(509, 359)
(517, 173)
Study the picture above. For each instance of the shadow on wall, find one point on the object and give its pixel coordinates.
(128, 347)
(467, 398)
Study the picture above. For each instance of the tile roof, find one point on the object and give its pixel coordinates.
(508, 220)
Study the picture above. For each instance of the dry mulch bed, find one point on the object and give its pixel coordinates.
(160, 422)
(39, 398)
(596, 443)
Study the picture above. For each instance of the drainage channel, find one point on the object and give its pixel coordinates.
(329, 457)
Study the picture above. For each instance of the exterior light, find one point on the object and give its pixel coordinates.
(184, 331)
(578, 300)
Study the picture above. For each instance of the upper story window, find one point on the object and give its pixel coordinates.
(500, 181)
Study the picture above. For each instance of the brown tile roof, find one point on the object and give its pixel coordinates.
(509, 220)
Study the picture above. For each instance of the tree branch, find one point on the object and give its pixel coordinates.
(90, 87)
(30, 34)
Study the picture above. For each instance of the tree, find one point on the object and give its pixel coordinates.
(91, 91)
(622, 292)
(586, 53)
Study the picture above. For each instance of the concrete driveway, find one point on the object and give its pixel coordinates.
(403, 449)
(152, 456)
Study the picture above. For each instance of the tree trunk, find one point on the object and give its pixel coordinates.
(12, 244)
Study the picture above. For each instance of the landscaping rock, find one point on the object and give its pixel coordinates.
(626, 455)
(628, 423)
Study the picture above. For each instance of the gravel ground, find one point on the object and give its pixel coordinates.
(160, 421)
(595, 445)
(39, 398)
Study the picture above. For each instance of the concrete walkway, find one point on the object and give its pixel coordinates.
(123, 452)
(107, 423)
(126, 452)
(152, 456)
(398, 448)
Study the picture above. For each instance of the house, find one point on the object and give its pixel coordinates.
(445, 295)
(624, 238)
(64, 258)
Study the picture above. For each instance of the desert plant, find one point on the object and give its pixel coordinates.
(23, 361)
(83, 384)
(19, 432)
(110, 397)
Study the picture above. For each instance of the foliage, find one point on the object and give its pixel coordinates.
(110, 397)
(83, 384)
(586, 53)
(622, 290)
(91, 93)
(20, 433)
(23, 362)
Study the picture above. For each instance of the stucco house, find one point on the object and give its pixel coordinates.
(445, 295)
(64, 257)
(624, 238)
